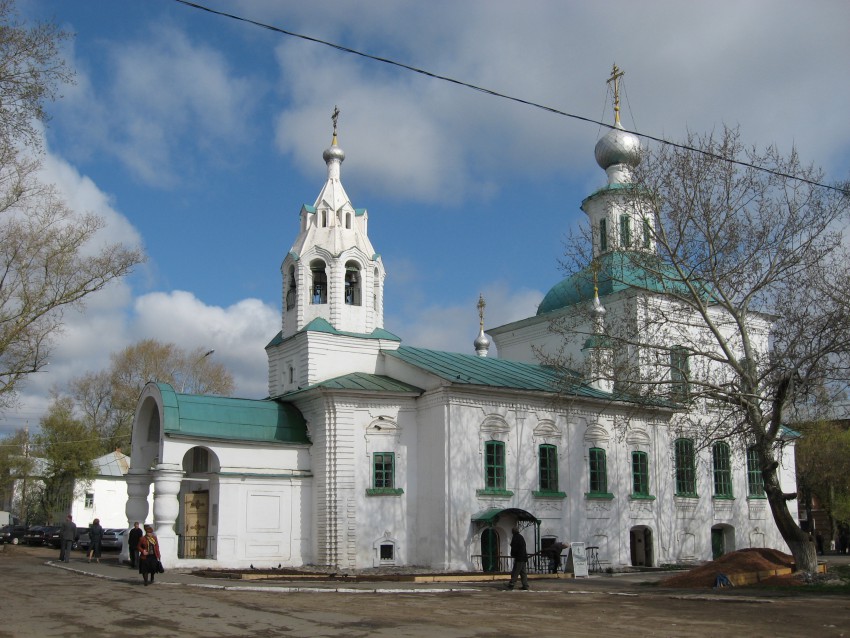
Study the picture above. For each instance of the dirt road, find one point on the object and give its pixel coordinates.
(37, 599)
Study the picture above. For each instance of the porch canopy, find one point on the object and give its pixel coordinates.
(491, 516)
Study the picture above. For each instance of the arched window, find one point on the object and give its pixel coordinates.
(680, 374)
(494, 465)
(640, 474)
(722, 468)
(686, 476)
(548, 468)
(598, 471)
(352, 284)
(603, 235)
(291, 289)
(319, 291)
(348, 221)
(647, 233)
(755, 479)
(375, 284)
(324, 218)
(625, 231)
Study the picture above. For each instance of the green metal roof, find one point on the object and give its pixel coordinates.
(362, 381)
(266, 420)
(618, 271)
(322, 325)
(469, 369)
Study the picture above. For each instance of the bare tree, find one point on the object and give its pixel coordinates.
(732, 284)
(107, 399)
(48, 256)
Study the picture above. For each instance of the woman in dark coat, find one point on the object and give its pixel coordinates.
(95, 540)
(149, 556)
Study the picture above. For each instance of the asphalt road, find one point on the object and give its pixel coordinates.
(42, 599)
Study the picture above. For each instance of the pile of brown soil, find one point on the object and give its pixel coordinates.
(743, 561)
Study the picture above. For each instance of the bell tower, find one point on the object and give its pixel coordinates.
(332, 272)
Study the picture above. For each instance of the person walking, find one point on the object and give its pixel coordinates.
(133, 544)
(520, 556)
(554, 552)
(67, 536)
(149, 556)
(95, 540)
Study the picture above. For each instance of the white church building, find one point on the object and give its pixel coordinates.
(372, 453)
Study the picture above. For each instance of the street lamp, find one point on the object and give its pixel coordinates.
(195, 365)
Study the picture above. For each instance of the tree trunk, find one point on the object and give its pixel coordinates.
(805, 556)
(800, 543)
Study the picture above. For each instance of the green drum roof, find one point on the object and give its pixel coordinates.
(618, 271)
(203, 416)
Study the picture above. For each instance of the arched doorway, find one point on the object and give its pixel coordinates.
(640, 538)
(722, 540)
(490, 550)
(198, 499)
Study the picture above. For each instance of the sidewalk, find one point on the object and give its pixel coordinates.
(110, 569)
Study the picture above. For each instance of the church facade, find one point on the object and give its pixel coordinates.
(372, 453)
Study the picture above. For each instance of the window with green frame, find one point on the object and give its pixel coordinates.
(680, 374)
(755, 479)
(640, 474)
(647, 233)
(603, 235)
(721, 465)
(598, 467)
(494, 462)
(547, 456)
(383, 475)
(625, 231)
(686, 477)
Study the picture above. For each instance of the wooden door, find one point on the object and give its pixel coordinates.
(196, 507)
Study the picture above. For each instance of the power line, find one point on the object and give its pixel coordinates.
(504, 96)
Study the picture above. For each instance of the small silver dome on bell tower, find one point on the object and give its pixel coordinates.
(618, 147)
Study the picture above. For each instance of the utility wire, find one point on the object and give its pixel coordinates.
(504, 96)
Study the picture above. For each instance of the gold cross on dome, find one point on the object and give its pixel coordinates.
(616, 74)
(335, 117)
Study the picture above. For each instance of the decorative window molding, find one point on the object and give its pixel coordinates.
(383, 426)
(596, 433)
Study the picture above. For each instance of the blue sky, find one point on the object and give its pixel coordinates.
(199, 137)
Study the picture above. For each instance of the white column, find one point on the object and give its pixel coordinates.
(166, 508)
(136, 509)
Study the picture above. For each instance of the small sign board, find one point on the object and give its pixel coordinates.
(577, 560)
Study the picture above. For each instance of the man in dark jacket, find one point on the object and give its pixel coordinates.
(520, 556)
(67, 536)
(133, 544)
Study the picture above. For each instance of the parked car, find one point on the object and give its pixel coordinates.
(12, 534)
(56, 542)
(111, 539)
(37, 535)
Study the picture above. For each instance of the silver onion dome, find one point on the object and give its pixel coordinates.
(334, 152)
(482, 344)
(618, 146)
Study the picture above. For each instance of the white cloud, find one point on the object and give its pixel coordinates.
(238, 333)
(155, 114)
(761, 65)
